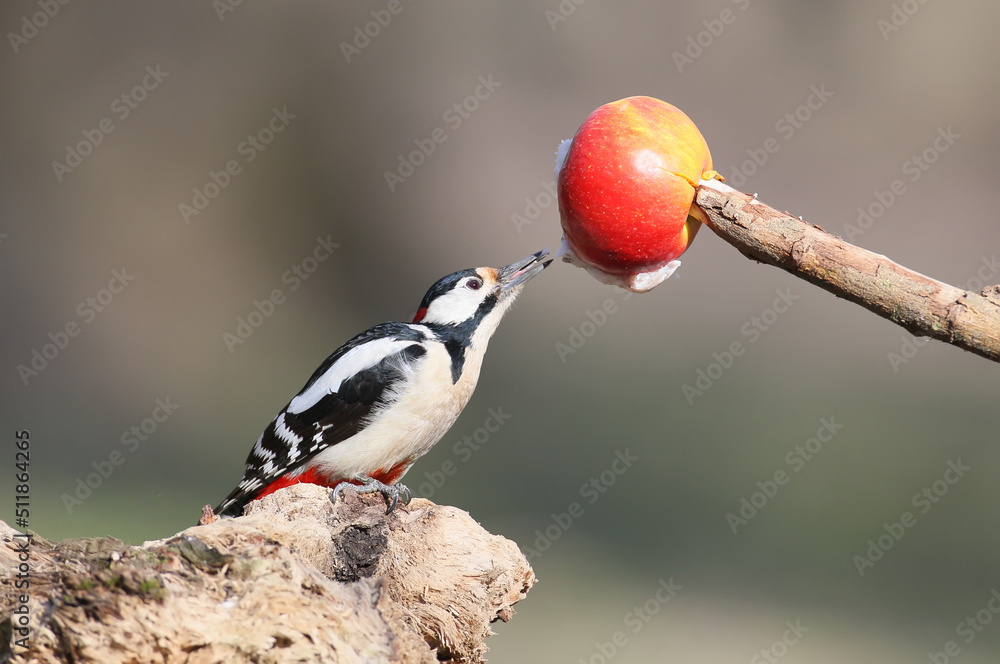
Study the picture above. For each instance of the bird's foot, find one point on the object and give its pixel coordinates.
(391, 492)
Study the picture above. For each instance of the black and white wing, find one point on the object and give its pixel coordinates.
(334, 405)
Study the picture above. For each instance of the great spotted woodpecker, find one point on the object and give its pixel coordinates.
(385, 397)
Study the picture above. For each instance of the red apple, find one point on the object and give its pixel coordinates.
(627, 186)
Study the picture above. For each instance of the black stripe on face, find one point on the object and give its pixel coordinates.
(457, 338)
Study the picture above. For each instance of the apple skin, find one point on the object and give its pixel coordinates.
(627, 185)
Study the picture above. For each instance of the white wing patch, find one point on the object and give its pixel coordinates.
(357, 359)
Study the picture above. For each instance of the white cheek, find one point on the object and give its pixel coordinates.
(453, 307)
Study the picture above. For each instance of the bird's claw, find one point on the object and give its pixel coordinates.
(391, 492)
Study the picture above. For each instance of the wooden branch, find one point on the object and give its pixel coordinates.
(922, 305)
(299, 579)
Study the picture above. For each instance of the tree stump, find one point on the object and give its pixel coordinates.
(298, 579)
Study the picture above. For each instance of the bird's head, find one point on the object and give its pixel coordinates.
(476, 299)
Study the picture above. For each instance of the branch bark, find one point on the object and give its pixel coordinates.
(920, 304)
(299, 579)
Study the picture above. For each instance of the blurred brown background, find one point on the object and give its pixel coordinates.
(217, 77)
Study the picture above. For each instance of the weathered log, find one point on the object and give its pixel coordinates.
(298, 579)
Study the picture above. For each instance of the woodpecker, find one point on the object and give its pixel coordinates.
(385, 397)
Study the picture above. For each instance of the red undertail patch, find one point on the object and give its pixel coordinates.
(390, 476)
(311, 476)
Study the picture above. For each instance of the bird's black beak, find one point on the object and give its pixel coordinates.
(516, 274)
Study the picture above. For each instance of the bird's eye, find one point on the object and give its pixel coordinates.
(474, 284)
